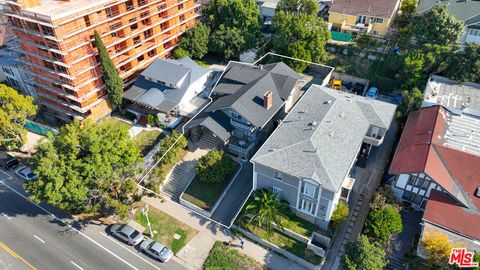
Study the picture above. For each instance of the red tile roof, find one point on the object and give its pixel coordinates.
(420, 150)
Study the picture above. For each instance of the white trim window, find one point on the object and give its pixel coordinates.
(307, 206)
(474, 32)
(309, 189)
(277, 191)
(277, 175)
(377, 20)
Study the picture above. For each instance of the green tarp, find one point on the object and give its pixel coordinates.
(339, 36)
(36, 128)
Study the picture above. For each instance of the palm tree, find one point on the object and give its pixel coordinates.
(264, 208)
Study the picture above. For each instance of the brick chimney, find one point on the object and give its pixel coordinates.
(267, 100)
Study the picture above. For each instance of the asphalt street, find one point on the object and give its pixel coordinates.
(39, 237)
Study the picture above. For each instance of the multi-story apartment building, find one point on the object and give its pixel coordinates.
(57, 38)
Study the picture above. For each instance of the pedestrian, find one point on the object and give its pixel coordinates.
(241, 242)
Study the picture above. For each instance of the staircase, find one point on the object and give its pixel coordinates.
(351, 223)
(207, 142)
(177, 181)
(395, 263)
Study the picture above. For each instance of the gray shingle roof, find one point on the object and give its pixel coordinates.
(374, 8)
(320, 137)
(252, 83)
(159, 96)
(217, 122)
(467, 11)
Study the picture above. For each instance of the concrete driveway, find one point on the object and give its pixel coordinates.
(235, 197)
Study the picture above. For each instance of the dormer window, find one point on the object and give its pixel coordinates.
(309, 189)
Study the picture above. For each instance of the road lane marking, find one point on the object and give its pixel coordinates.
(69, 226)
(116, 242)
(8, 175)
(78, 266)
(39, 239)
(16, 256)
(5, 215)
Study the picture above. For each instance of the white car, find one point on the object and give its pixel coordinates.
(126, 233)
(25, 173)
(156, 250)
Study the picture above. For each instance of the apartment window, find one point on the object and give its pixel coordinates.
(362, 19)
(277, 175)
(7, 70)
(87, 20)
(136, 40)
(377, 20)
(109, 12)
(114, 34)
(48, 31)
(133, 26)
(182, 17)
(180, 6)
(152, 52)
(115, 26)
(48, 65)
(307, 206)
(13, 83)
(161, 7)
(309, 189)
(148, 33)
(474, 32)
(276, 191)
(130, 5)
(132, 20)
(144, 14)
(57, 56)
(140, 58)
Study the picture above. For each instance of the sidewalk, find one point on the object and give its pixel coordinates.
(194, 254)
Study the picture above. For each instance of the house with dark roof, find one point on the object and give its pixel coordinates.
(363, 17)
(170, 89)
(308, 159)
(247, 101)
(466, 11)
(436, 168)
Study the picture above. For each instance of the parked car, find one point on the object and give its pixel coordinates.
(336, 84)
(25, 173)
(372, 93)
(8, 161)
(348, 85)
(156, 250)
(397, 99)
(126, 233)
(358, 88)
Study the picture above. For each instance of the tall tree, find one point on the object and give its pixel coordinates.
(264, 208)
(408, 7)
(239, 16)
(361, 254)
(86, 167)
(412, 100)
(437, 26)
(112, 79)
(14, 111)
(227, 41)
(382, 223)
(300, 35)
(464, 65)
(195, 40)
(413, 70)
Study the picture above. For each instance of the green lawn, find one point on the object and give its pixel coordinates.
(205, 195)
(283, 241)
(224, 257)
(167, 227)
(118, 123)
(210, 59)
(146, 140)
(294, 223)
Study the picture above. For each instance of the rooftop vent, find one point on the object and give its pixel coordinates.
(477, 192)
(342, 114)
(330, 133)
(328, 102)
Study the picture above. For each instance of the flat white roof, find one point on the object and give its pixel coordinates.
(463, 133)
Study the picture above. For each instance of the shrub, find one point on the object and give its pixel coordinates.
(362, 254)
(152, 120)
(215, 166)
(437, 249)
(381, 223)
(382, 197)
(172, 153)
(339, 215)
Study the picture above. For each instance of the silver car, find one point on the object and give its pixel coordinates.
(156, 250)
(126, 233)
(25, 173)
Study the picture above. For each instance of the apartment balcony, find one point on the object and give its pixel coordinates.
(240, 146)
(242, 126)
(347, 187)
(359, 28)
(374, 136)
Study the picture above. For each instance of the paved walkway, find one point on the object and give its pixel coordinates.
(368, 180)
(194, 254)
